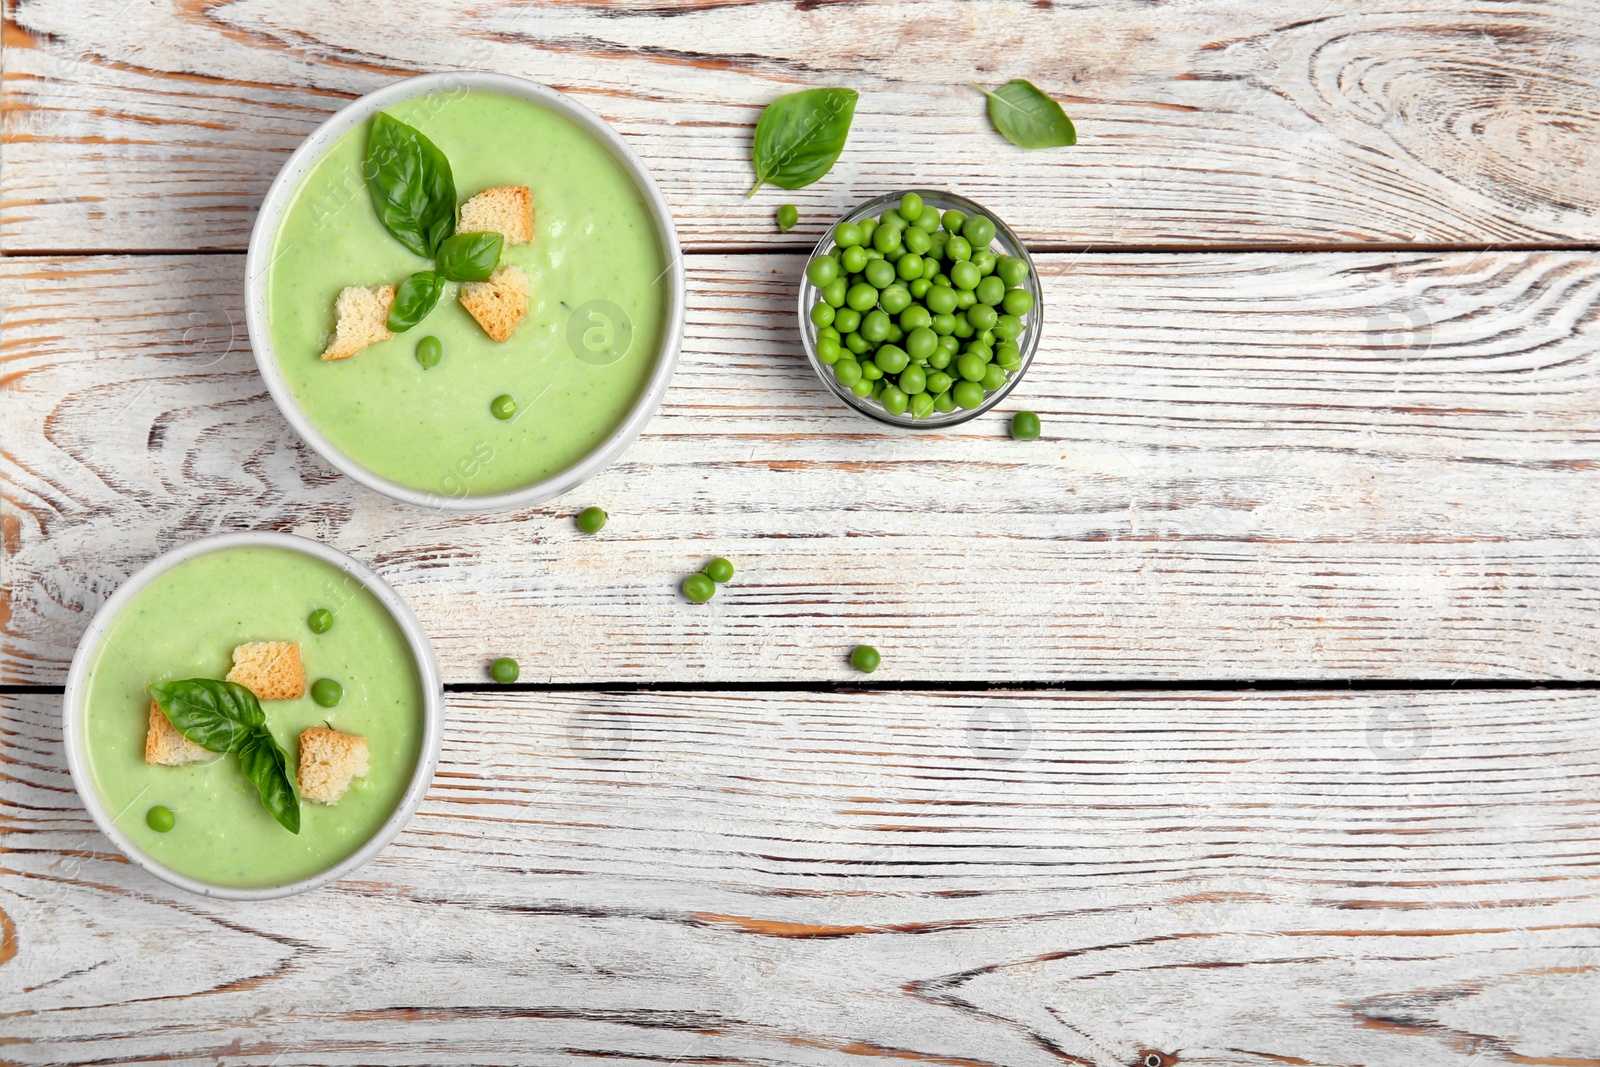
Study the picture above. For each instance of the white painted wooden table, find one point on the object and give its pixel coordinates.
(1250, 717)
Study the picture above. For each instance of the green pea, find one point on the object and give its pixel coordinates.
(941, 358)
(872, 254)
(982, 316)
(788, 215)
(877, 387)
(856, 343)
(1009, 328)
(909, 266)
(892, 359)
(994, 376)
(892, 217)
(978, 230)
(591, 520)
(949, 343)
(869, 227)
(862, 388)
(854, 259)
(861, 297)
(822, 270)
(1024, 426)
(919, 287)
(963, 328)
(719, 570)
(971, 367)
(895, 334)
(821, 314)
(939, 381)
(320, 621)
(967, 394)
(942, 280)
(829, 331)
(983, 337)
(983, 259)
(870, 371)
(1008, 356)
(895, 299)
(887, 239)
(327, 692)
(834, 292)
(160, 819)
(828, 351)
(880, 274)
(921, 341)
(893, 400)
(921, 403)
(957, 249)
(847, 235)
(865, 658)
(847, 320)
(991, 290)
(917, 240)
(911, 206)
(944, 324)
(1018, 302)
(941, 300)
(966, 277)
(953, 220)
(847, 372)
(913, 380)
(875, 325)
(503, 407)
(915, 317)
(429, 352)
(929, 219)
(1011, 270)
(945, 402)
(965, 298)
(699, 588)
(981, 350)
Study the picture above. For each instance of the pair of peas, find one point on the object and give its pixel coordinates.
(917, 311)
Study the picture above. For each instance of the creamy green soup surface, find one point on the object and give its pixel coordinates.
(575, 366)
(185, 624)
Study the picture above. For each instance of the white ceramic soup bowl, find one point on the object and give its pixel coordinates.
(74, 717)
(281, 195)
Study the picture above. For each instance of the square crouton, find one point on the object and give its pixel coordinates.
(500, 303)
(270, 669)
(328, 762)
(166, 746)
(507, 210)
(363, 318)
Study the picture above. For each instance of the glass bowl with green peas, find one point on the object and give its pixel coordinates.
(920, 309)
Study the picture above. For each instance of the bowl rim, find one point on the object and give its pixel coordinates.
(945, 420)
(310, 152)
(72, 711)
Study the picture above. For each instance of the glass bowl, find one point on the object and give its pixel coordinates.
(1005, 242)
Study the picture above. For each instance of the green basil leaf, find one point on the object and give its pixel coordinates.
(800, 136)
(216, 715)
(1028, 118)
(414, 299)
(470, 257)
(265, 764)
(411, 185)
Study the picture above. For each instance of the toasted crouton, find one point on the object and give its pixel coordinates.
(500, 303)
(328, 761)
(166, 746)
(507, 211)
(363, 320)
(270, 669)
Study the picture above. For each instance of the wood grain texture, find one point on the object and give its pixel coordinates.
(1264, 465)
(157, 124)
(1011, 878)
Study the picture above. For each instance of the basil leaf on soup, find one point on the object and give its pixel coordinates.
(800, 136)
(411, 184)
(1027, 117)
(215, 715)
(470, 257)
(265, 764)
(414, 298)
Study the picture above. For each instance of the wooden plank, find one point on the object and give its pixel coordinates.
(1006, 878)
(1266, 465)
(158, 125)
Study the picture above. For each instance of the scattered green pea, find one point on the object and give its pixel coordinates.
(1024, 426)
(719, 570)
(504, 670)
(865, 658)
(503, 407)
(699, 588)
(327, 692)
(592, 520)
(788, 215)
(429, 352)
(160, 819)
(320, 621)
